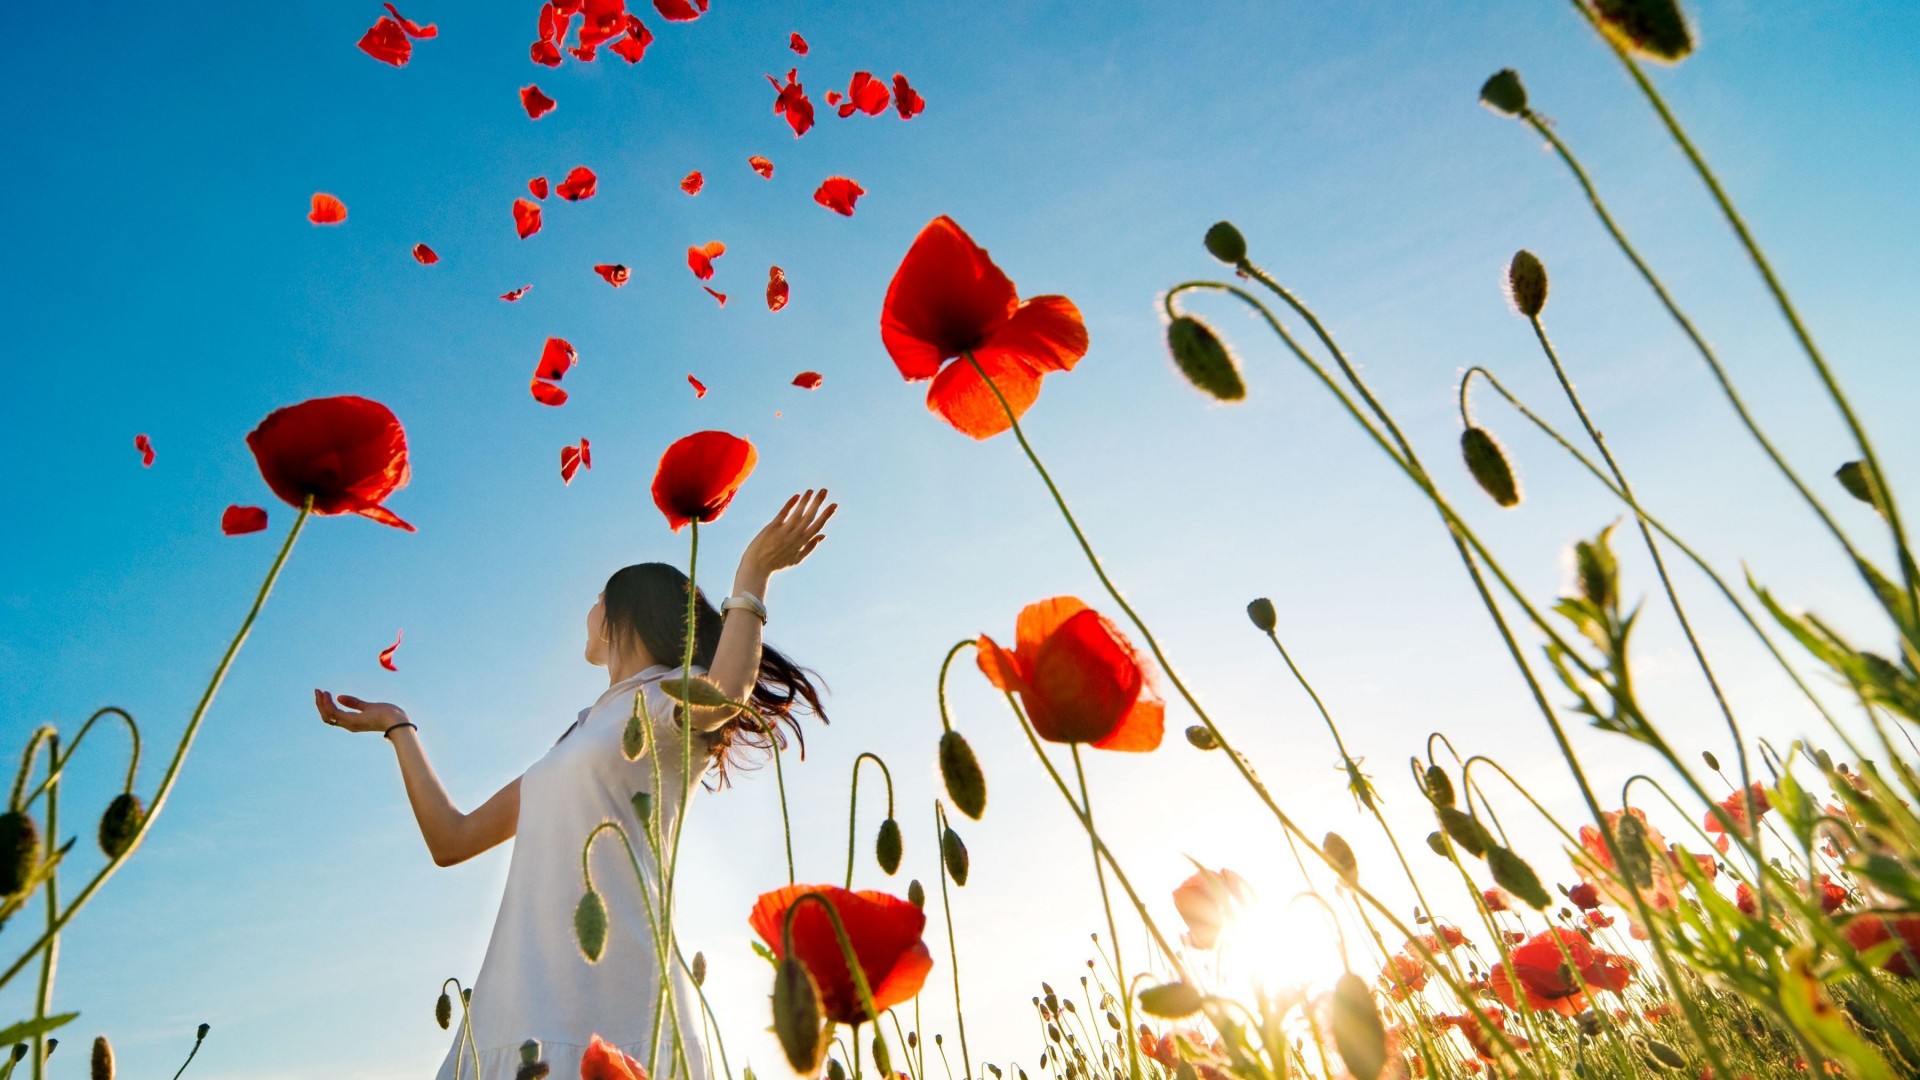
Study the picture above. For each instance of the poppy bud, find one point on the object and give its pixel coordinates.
(1340, 857)
(699, 967)
(19, 1051)
(52, 1045)
(443, 1011)
(1439, 787)
(1225, 243)
(1665, 1055)
(1655, 29)
(1636, 861)
(886, 849)
(1263, 616)
(1598, 571)
(1488, 464)
(1438, 842)
(1857, 478)
(796, 1017)
(590, 926)
(1527, 283)
(19, 851)
(121, 823)
(1712, 762)
(954, 854)
(1170, 1001)
(1202, 737)
(966, 784)
(1358, 1032)
(1465, 829)
(1203, 358)
(102, 1059)
(1512, 873)
(530, 1051)
(1503, 93)
(201, 1034)
(882, 1060)
(633, 740)
(835, 1070)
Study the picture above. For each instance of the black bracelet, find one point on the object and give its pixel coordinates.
(388, 734)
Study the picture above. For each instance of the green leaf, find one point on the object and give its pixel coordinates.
(27, 1029)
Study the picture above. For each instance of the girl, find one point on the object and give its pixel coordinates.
(534, 982)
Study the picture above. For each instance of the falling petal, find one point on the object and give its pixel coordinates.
(776, 288)
(548, 394)
(240, 520)
(865, 94)
(573, 459)
(699, 388)
(536, 103)
(680, 10)
(387, 42)
(906, 99)
(386, 654)
(538, 185)
(145, 446)
(615, 273)
(838, 194)
(413, 29)
(579, 184)
(720, 296)
(808, 380)
(762, 166)
(425, 255)
(516, 294)
(797, 43)
(326, 210)
(526, 217)
(791, 101)
(633, 46)
(700, 259)
(556, 359)
(693, 183)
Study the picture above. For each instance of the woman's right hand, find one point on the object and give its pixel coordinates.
(352, 714)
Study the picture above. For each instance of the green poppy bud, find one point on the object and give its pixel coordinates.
(1465, 829)
(797, 1017)
(1636, 857)
(1225, 243)
(966, 784)
(20, 1051)
(954, 853)
(698, 692)
(530, 1051)
(699, 969)
(633, 739)
(1263, 616)
(1488, 464)
(916, 893)
(835, 1070)
(102, 1068)
(1512, 873)
(443, 1011)
(19, 851)
(1598, 570)
(121, 823)
(590, 926)
(886, 848)
(1202, 737)
(643, 808)
(1712, 762)
(1340, 857)
(1655, 29)
(1857, 478)
(1204, 359)
(52, 1045)
(1358, 1032)
(201, 1034)
(1527, 283)
(1439, 787)
(1503, 93)
(1665, 1056)
(1170, 1001)
(1438, 842)
(882, 1059)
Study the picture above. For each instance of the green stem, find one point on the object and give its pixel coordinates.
(853, 804)
(50, 958)
(59, 761)
(953, 948)
(1113, 928)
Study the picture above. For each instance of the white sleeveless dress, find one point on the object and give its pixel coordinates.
(534, 982)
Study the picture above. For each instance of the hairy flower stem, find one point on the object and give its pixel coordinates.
(179, 755)
(666, 995)
(953, 947)
(853, 805)
(465, 1038)
(50, 958)
(58, 762)
(1113, 928)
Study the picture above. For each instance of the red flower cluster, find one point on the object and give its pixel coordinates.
(1872, 929)
(699, 475)
(1078, 676)
(601, 21)
(346, 453)
(884, 932)
(1555, 968)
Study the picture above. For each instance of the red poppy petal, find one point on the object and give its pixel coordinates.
(326, 210)
(699, 475)
(838, 194)
(615, 273)
(762, 166)
(425, 255)
(905, 99)
(1001, 667)
(866, 94)
(680, 10)
(387, 42)
(516, 294)
(413, 29)
(693, 183)
(718, 296)
(1045, 334)
(797, 43)
(579, 184)
(573, 459)
(1038, 621)
(145, 446)
(946, 297)
(240, 520)
(526, 217)
(386, 654)
(538, 185)
(700, 258)
(808, 380)
(1141, 729)
(632, 46)
(1083, 681)
(536, 103)
(791, 102)
(964, 400)
(777, 289)
(557, 357)
(699, 388)
(547, 393)
(546, 53)
(605, 1061)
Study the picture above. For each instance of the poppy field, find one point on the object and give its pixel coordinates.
(1659, 891)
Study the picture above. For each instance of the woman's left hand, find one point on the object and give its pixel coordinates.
(792, 534)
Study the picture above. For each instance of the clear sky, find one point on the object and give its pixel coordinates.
(161, 278)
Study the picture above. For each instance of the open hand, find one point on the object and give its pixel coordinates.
(792, 534)
(352, 714)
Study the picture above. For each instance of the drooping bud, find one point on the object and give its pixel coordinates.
(1439, 786)
(835, 1070)
(966, 784)
(443, 1011)
(1527, 283)
(1202, 737)
(1712, 762)
(102, 1068)
(1261, 612)
(698, 692)
(1665, 1056)
(19, 851)
(1636, 858)
(916, 893)
(1340, 857)
(1171, 1001)
(1655, 29)
(590, 926)
(531, 1067)
(1204, 359)
(1489, 466)
(954, 853)
(1438, 842)
(1503, 93)
(1512, 873)
(633, 739)
(121, 823)
(886, 848)
(797, 1018)
(1465, 829)
(643, 808)
(699, 969)
(200, 1035)
(1358, 1032)
(882, 1059)
(1225, 243)
(1857, 478)
(19, 1051)
(52, 1045)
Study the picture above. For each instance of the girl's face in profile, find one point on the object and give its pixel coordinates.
(597, 632)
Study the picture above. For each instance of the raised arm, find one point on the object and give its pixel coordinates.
(451, 836)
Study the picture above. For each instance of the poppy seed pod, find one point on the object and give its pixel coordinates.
(954, 854)
(1263, 616)
(1170, 1001)
(643, 808)
(590, 926)
(916, 893)
(966, 784)
(1340, 857)
(835, 1070)
(796, 1017)
(1665, 1055)
(1527, 283)
(1358, 1032)
(1512, 873)
(1203, 358)
(1225, 243)
(19, 851)
(1489, 466)
(886, 848)
(1503, 93)
(443, 1011)
(121, 823)
(1202, 737)
(1655, 29)
(102, 1059)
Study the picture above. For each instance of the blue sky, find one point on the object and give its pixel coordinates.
(162, 278)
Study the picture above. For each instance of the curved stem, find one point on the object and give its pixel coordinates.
(60, 760)
(853, 804)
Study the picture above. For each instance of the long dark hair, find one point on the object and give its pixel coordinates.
(647, 603)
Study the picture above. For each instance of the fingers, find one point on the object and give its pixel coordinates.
(781, 517)
(352, 702)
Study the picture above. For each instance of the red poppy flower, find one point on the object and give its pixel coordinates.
(1873, 928)
(762, 166)
(538, 185)
(1584, 896)
(1479, 1034)
(387, 42)
(1207, 901)
(693, 183)
(1598, 919)
(1540, 969)
(413, 29)
(240, 520)
(865, 94)
(906, 99)
(791, 102)
(425, 255)
(348, 453)
(632, 45)
(1078, 676)
(1495, 899)
(605, 1061)
(719, 297)
(699, 388)
(884, 932)
(547, 393)
(1596, 868)
(1735, 807)
(700, 259)
(1833, 896)
(145, 446)
(535, 102)
(838, 194)
(777, 290)
(526, 217)
(808, 380)
(573, 459)
(680, 10)
(579, 184)
(797, 43)
(699, 475)
(949, 299)
(386, 654)
(326, 210)
(1403, 976)
(615, 273)
(515, 294)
